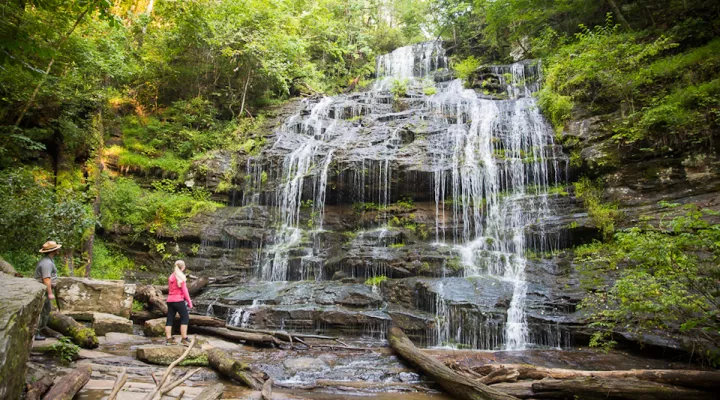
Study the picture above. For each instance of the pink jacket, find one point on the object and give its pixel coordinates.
(176, 293)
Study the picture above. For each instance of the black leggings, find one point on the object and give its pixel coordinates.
(179, 307)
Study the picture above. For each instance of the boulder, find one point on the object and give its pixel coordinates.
(91, 295)
(7, 268)
(21, 301)
(105, 323)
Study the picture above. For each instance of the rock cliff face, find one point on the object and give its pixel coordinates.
(21, 301)
(441, 209)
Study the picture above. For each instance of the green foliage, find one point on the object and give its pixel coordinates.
(31, 212)
(138, 306)
(128, 206)
(454, 263)
(666, 278)
(604, 215)
(397, 245)
(399, 88)
(109, 263)
(65, 350)
(465, 69)
(376, 280)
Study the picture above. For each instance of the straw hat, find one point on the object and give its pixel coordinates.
(50, 246)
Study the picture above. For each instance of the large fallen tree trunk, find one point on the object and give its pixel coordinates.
(226, 365)
(460, 386)
(592, 388)
(688, 378)
(82, 336)
(152, 297)
(194, 287)
(70, 384)
(156, 326)
(254, 338)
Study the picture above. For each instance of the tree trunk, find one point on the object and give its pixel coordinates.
(152, 297)
(694, 379)
(49, 67)
(620, 17)
(213, 392)
(247, 82)
(592, 388)
(225, 364)
(38, 388)
(458, 385)
(82, 336)
(254, 338)
(70, 384)
(96, 174)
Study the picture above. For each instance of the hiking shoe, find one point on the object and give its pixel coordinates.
(39, 337)
(169, 342)
(185, 342)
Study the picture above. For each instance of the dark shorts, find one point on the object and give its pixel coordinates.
(180, 308)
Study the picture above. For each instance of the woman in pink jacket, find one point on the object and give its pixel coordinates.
(177, 296)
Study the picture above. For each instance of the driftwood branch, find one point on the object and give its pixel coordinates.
(254, 338)
(121, 379)
(267, 390)
(458, 385)
(177, 383)
(226, 365)
(152, 297)
(151, 396)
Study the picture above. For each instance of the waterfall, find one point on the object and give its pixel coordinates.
(491, 153)
(490, 160)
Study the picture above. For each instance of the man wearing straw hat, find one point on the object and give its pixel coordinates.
(46, 273)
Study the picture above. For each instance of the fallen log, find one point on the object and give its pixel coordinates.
(165, 355)
(170, 386)
(213, 392)
(226, 365)
(156, 326)
(456, 384)
(370, 385)
(593, 388)
(82, 336)
(282, 335)
(69, 384)
(194, 287)
(152, 297)
(254, 338)
(678, 377)
(38, 388)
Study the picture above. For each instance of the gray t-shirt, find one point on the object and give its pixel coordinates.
(46, 269)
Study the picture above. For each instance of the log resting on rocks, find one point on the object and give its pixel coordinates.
(70, 384)
(194, 287)
(459, 385)
(165, 355)
(152, 297)
(247, 337)
(593, 388)
(689, 378)
(223, 362)
(156, 327)
(82, 336)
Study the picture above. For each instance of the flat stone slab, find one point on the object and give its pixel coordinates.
(122, 338)
(93, 295)
(105, 323)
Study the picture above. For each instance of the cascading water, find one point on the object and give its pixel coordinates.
(491, 161)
